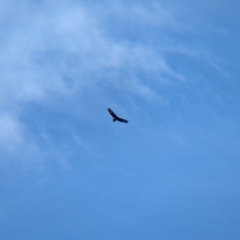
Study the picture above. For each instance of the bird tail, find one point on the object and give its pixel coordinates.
(114, 119)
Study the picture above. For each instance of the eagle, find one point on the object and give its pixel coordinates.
(115, 117)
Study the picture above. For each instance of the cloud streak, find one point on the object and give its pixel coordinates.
(55, 51)
(51, 50)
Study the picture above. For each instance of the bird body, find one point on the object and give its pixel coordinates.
(115, 117)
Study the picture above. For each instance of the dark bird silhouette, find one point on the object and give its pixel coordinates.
(115, 117)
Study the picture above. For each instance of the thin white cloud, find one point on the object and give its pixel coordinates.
(53, 49)
(10, 130)
(83, 144)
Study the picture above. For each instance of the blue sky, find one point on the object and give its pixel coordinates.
(171, 68)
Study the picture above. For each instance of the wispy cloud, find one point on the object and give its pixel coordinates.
(53, 50)
(50, 49)
(11, 130)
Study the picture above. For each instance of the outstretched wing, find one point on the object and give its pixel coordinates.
(122, 120)
(112, 113)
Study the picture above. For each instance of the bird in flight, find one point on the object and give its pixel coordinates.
(115, 117)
